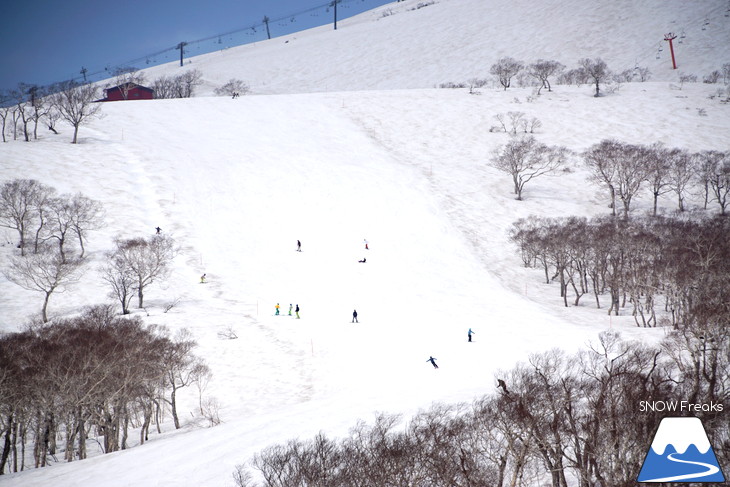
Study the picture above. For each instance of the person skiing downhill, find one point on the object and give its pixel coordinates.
(354, 317)
(277, 309)
(470, 333)
(297, 311)
(433, 362)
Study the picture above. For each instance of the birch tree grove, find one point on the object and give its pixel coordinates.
(90, 378)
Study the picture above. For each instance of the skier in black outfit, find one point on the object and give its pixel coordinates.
(433, 362)
(354, 317)
(299, 246)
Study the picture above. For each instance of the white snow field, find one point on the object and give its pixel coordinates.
(334, 153)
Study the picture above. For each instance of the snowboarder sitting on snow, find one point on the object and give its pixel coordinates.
(362, 261)
(433, 362)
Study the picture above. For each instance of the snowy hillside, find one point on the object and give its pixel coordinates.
(402, 46)
(238, 182)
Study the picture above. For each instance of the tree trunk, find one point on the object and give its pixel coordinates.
(45, 307)
(6, 445)
(140, 295)
(76, 133)
(173, 407)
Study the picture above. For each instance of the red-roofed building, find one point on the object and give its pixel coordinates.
(129, 91)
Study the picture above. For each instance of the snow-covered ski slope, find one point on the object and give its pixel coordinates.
(400, 46)
(238, 182)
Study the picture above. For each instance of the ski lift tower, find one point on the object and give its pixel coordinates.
(670, 37)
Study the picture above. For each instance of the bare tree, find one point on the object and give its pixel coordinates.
(707, 162)
(52, 117)
(686, 78)
(525, 159)
(603, 160)
(146, 259)
(164, 88)
(23, 108)
(542, 70)
(86, 214)
(185, 83)
(505, 69)
(233, 87)
(597, 70)
(182, 369)
(657, 172)
(60, 223)
(644, 74)
(19, 206)
(76, 104)
(720, 182)
(46, 272)
(122, 281)
(6, 105)
(631, 172)
(681, 171)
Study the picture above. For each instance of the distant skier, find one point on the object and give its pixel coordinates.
(158, 230)
(290, 308)
(354, 317)
(299, 246)
(470, 333)
(277, 309)
(363, 260)
(433, 362)
(297, 311)
(366, 244)
(202, 279)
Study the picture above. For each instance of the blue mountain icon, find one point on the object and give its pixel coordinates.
(681, 452)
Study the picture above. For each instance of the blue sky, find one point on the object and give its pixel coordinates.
(50, 40)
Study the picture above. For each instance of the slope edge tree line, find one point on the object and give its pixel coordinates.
(92, 377)
(67, 381)
(557, 420)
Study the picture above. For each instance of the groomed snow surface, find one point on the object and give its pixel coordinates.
(238, 182)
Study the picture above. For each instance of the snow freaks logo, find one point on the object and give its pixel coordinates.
(681, 452)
